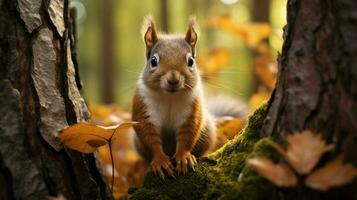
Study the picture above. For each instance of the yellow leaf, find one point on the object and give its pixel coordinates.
(77, 135)
(258, 98)
(213, 61)
(97, 142)
(333, 174)
(251, 34)
(122, 127)
(279, 174)
(304, 150)
(231, 127)
(265, 67)
(107, 114)
(86, 138)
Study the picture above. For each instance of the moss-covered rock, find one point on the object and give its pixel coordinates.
(221, 175)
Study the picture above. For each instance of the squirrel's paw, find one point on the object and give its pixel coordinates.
(183, 160)
(160, 163)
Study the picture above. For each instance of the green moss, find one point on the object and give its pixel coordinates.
(216, 176)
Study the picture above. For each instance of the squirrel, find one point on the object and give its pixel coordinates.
(169, 104)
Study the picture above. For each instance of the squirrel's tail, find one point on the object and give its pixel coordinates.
(224, 106)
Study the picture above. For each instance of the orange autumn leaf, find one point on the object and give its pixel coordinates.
(77, 136)
(97, 142)
(227, 128)
(303, 151)
(279, 174)
(333, 174)
(107, 114)
(230, 128)
(265, 67)
(86, 138)
(258, 99)
(251, 34)
(122, 128)
(214, 61)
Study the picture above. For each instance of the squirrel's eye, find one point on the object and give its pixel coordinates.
(190, 61)
(154, 61)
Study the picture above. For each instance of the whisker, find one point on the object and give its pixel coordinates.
(189, 86)
(224, 87)
(130, 71)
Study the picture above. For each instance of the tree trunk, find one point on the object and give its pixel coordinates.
(164, 14)
(39, 96)
(107, 53)
(317, 83)
(261, 14)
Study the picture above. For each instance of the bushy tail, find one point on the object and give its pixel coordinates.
(224, 106)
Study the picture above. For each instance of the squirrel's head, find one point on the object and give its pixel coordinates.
(170, 59)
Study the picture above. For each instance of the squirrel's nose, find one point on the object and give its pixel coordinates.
(173, 82)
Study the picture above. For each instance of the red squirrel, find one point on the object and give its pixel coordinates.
(169, 105)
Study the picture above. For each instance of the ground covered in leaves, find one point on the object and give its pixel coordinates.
(222, 175)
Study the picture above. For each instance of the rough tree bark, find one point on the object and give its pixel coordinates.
(317, 83)
(39, 96)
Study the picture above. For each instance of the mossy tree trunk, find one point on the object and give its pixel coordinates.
(39, 96)
(317, 83)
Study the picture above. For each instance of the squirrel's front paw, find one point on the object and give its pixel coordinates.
(161, 162)
(184, 159)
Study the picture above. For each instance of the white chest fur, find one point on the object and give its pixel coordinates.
(166, 110)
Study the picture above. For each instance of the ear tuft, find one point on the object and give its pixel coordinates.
(149, 33)
(192, 33)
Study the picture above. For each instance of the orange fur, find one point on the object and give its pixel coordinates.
(147, 133)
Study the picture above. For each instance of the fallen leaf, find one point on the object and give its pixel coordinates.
(108, 114)
(227, 128)
(231, 127)
(86, 138)
(123, 127)
(333, 174)
(258, 98)
(97, 142)
(279, 174)
(303, 151)
(77, 136)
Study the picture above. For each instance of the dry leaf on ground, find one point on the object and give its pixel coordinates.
(108, 114)
(258, 98)
(227, 129)
(279, 174)
(303, 151)
(230, 128)
(333, 174)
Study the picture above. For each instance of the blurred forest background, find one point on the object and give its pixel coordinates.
(111, 49)
(237, 50)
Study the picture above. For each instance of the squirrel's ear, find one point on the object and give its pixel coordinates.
(192, 34)
(150, 35)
